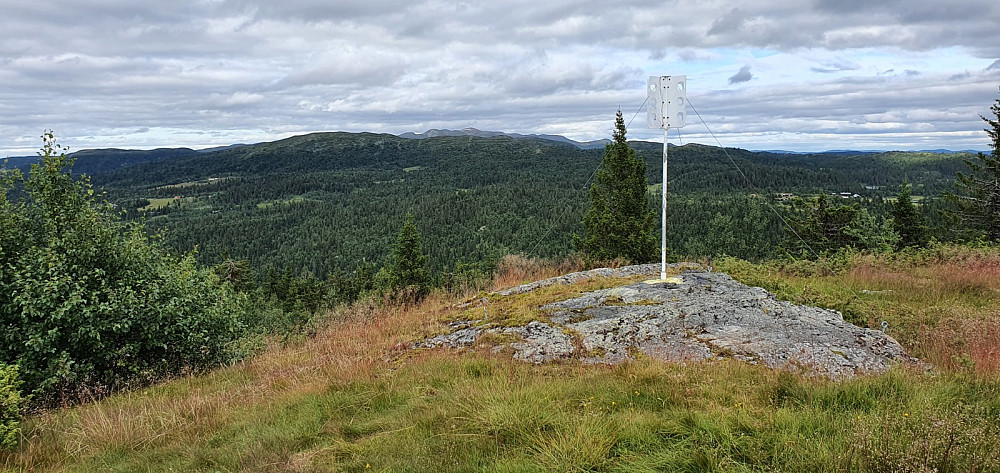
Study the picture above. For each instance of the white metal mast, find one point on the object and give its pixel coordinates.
(667, 99)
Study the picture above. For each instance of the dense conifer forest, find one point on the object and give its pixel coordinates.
(330, 202)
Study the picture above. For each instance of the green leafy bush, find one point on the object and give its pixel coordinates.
(90, 304)
(10, 405)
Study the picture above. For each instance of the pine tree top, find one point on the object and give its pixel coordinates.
(619, 134)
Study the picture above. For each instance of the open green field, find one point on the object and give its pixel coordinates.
(183, 185)
(157, 203)
(353, 398)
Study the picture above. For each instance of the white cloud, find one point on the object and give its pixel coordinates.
(236, 99)
(255, 70)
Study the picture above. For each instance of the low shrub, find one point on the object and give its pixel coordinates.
(10, 406)
(99, 305)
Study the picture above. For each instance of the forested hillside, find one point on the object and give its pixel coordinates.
(97, 161)
(331, 201)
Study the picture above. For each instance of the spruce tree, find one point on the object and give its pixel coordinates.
(407, 273)
(978, 199)
(907, 222)
(818, 227)
(620, 222)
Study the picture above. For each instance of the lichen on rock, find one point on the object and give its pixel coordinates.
(698, 315)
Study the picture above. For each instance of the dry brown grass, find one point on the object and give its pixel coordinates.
(950, 301)
(514, 270)
(357, 342)
(984, 347)
(957, 344)
(942, 303)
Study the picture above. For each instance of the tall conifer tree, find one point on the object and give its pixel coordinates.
(906, 221)
(978, 199)
(408, 271)
(619, 223)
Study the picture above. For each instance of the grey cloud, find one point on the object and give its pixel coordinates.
(994, 66)
(348, 67)
(168, 26)
(919, 12)
(839, 65)
(847, 99)
(887, 113)
(743, 75)
(730, 22)
(322, 10)
(852, 6)
(249, 67)
(691, 55)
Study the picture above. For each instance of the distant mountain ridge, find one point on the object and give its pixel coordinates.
(869, 151)
(103, 160)
(435, 133)
(107, 160)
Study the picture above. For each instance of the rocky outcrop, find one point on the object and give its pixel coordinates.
(697, 315)
(623, 272)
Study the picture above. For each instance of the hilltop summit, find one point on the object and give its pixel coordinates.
(696, 315)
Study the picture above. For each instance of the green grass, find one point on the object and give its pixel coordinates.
(443, 413)
(161, 202)
(190, 203)
(352, 400)
(183, 185)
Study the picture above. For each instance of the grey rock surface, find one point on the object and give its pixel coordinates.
(699, 316)
(623, 272)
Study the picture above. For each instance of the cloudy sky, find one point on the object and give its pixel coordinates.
(764, 74)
